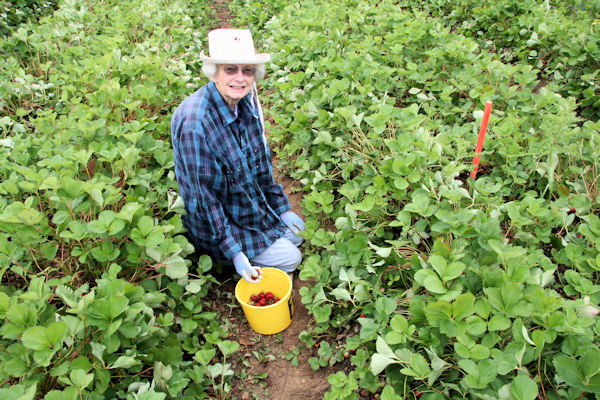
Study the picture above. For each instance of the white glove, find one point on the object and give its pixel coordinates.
(292, 221)
(248, 272)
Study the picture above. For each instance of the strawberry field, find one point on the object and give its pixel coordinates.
(424, 282)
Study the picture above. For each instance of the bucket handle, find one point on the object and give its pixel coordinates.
(291, 305)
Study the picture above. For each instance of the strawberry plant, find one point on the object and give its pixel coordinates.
(99, 297)
(430, 284)
(461, 283)
(561, 39)
(14, 13)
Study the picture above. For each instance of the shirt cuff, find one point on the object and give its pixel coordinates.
(229, 247)
(282, 205)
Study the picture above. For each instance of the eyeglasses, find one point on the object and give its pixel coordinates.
(248, 72)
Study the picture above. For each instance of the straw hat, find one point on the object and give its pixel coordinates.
(232, 46)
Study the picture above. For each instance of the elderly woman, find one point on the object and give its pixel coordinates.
(235, 212)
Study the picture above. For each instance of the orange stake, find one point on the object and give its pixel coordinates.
(481, 138)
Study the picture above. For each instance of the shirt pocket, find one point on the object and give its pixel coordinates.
(260, 160)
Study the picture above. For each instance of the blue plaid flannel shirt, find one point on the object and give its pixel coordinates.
(223, 168)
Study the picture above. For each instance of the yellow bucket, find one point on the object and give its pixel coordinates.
(269, 319)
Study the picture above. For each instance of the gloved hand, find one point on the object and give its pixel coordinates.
(293, 221)
(248, 272)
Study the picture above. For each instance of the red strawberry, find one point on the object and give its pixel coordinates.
(253, 298)
(261, 295)
(262, 302)
(276, 299)
(363, 316)
(269, 296)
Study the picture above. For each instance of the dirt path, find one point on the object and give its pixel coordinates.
(223, 14)
(269, 374)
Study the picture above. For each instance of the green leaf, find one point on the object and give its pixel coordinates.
(102, 312)
(369, 328)
(128, 211)
(388, 393)
(96, 195)
(379, 362)
(385, 305)
(434, 285)
(523, 388)
(151, 395)
(420, 366)
(129, 329)
(193, 286)
(498, 323)
(463, 306)
(228, 347)
(81, 379)
(419, 205)
(453, 271)
(97, 350)
(154, 239)
(399, 323)
(378, 121)
(439, 264)
(117, 305)
(219, 369)
(145, 225)
(479, 352)
(590, 363)
(69, 393)
(42, 338)
(4, 302)
(341, 294)
(478, 375)
(29, 394)
(204, 356)
(176, 267)
(124, 362)
(322, 312)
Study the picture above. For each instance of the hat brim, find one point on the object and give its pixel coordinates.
(258, 58)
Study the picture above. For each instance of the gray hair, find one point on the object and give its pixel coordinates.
(210, 70)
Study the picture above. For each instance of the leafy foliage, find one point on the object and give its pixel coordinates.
(99, 297)
(13, 13)
(443, 286)
(560, 39)
(461, 285)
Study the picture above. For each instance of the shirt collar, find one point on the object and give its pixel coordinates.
(244, 106)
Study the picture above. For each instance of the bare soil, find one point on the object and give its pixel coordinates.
(222, 12)
(262, 355)
(263, 359)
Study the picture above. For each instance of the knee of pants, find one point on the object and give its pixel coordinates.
(292, 237)
(292, 261)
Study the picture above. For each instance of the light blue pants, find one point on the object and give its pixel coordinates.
(282, 254)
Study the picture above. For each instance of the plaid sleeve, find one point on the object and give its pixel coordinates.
(199, 178)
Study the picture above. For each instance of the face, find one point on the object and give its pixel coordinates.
(234, 82)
